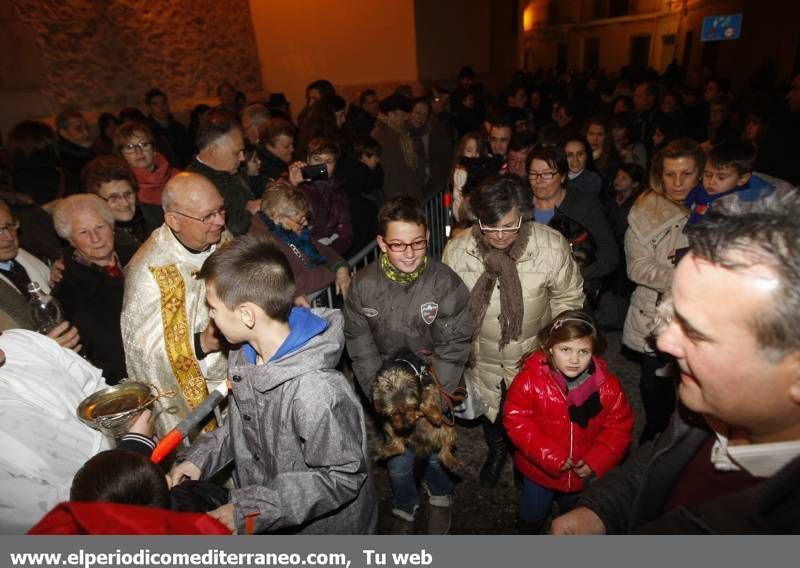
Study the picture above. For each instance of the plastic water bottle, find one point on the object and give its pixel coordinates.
(45, 311)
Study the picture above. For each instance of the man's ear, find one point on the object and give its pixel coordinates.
(173, 221)
(743, 179)
(792, 363)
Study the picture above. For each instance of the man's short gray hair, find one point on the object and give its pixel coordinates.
(738, 234)
(254, 115)
(66, 208)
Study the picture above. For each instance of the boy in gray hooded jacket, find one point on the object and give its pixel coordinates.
(295, 429)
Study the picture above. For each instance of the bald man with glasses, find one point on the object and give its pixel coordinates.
(168, 337)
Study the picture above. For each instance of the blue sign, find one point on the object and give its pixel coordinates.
(718, 28)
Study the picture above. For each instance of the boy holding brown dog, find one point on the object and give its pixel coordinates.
(406, 300)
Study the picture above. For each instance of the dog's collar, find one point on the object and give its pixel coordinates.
(424, 378)
(410, 364)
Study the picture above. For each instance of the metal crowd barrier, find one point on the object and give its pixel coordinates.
(438, 214)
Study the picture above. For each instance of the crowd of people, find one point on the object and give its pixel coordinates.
(186, 257)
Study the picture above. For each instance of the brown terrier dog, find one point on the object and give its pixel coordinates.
(404, 391)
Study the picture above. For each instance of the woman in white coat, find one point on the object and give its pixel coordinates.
(520, 274)
(653, 244)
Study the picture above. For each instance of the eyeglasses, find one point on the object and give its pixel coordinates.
(131, 148)
(544, 176)
(319, 160)
(301, 219)
(206, 220)
(421, 244)
(119, 197)
(7, 229)
(500, 230)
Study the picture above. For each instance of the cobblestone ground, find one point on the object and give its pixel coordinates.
(481, 511)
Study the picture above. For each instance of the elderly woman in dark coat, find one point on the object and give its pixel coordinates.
(93, 284)
(284, 215)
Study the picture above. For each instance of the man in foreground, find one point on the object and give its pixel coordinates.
(729, 461)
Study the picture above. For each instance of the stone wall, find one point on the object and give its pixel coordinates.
(105, 54)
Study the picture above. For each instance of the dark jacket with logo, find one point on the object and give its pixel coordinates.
(431, 313)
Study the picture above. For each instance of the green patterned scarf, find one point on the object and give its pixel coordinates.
(399, 277)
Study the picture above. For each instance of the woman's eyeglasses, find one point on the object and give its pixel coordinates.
(119, 197)
(131, 148)
(544, 176)
(500, 230)
(401, 247)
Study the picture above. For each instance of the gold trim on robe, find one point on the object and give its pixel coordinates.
(177, 338)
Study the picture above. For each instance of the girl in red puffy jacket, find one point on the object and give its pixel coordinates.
(568, 417)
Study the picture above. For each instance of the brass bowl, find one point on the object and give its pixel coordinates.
(109, 410)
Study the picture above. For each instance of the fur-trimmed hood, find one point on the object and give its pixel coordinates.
(654, 214)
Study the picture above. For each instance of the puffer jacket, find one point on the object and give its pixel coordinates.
(551, 283)
(430, 313)
(297, 436)
(655, 231)
(536, 418)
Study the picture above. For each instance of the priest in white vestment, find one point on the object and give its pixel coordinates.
(168, 338)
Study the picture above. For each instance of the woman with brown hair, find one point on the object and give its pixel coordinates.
(604, 153)
(652, 245)
(136, 145)
(112, 180)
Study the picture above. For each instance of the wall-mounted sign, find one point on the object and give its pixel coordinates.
(718, 28)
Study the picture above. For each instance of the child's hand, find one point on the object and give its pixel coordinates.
(224, 515)
(567, 465)
(582, 470)
(142, 423)
(343, 281)
(459, 177)
(184, 469)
